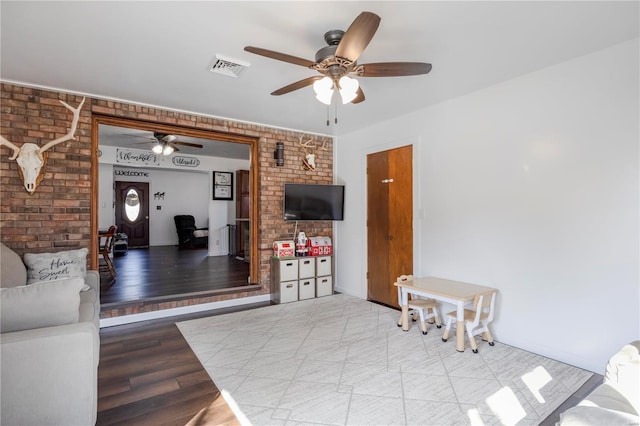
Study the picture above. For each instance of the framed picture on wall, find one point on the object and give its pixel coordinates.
(222, 185)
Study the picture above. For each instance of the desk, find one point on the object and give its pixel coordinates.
(443, 290)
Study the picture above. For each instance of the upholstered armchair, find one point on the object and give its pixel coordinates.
(188, 235)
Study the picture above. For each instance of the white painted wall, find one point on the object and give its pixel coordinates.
(186, 192)
(530, 186)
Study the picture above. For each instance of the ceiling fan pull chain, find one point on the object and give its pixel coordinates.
(336, 116)
(327, 115)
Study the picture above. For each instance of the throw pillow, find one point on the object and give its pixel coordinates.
(44, 304)
(55, 266)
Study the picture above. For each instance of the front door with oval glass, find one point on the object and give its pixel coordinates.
(132, 212)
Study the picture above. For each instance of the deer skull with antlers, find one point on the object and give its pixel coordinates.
(31, 159)
(310, 152)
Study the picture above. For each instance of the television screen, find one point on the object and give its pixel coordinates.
(313, 201)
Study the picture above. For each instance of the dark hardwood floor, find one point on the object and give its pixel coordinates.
(148, 375)
(165, 271)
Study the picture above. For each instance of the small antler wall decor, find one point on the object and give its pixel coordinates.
(310, 152)
(31, 159)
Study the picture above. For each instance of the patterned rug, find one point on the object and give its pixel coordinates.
(339, 360)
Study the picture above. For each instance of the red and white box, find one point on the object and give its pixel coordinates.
(320, 246)
(284, 249)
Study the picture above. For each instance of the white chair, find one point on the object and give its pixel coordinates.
(419, 306)
(476, 321)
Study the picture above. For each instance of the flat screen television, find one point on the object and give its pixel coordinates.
(304, 201)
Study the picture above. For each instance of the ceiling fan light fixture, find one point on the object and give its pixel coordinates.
(168, 149)
(157, 148)
(324, 90)
(348, 88)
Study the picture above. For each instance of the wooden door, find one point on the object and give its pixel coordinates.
(389, 222)
(132, 212)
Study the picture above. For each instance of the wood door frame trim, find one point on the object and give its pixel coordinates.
(254, 173)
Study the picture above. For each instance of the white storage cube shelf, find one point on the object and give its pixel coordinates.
(301, 278)
(288, 291)
(307, 267)
(323, 265)
(307, 288)
(324, 286)
(289, 270)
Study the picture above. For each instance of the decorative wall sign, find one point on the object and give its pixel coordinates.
(184, 161)
(136, 157)
(222, 186)
(130, 173)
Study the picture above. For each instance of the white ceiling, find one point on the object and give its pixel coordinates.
(144, 140)
(158, 53)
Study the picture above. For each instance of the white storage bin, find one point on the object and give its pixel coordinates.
(289, 292)
(307, 289)
(324, 286)
(289, 270)
(323, 265)
(307, 267)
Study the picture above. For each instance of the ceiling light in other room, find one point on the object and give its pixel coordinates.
(157, 148)
(168, 149)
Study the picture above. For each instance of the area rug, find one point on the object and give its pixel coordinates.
(339, 360)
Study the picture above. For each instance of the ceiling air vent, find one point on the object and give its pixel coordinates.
(228, 66)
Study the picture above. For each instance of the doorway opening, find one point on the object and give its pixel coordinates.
(132, 215)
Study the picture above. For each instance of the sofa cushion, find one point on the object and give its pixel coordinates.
(623, 373)
(12, 271)
(44, 304)
(55, 266)
(89, 306)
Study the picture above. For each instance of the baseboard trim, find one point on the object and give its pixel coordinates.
(166, 313)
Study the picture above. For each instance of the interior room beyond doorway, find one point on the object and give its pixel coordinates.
(164, 272)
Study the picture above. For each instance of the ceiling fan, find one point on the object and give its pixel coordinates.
(337, 63)
(166, 144)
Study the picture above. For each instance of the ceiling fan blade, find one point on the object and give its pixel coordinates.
(297, 85)
(193, 145)
(359, 96)
(358, 36)
(394, 69)
(280, 56)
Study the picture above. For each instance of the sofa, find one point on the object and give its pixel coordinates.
(50, 344)
(617, 400)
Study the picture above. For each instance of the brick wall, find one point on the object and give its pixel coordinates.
(58, 215)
